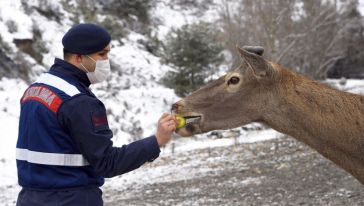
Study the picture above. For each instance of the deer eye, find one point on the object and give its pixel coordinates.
(233, 80)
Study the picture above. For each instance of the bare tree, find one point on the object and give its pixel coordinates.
(249, 22)
(302, 35)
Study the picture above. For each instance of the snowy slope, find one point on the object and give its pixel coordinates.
(132, 95)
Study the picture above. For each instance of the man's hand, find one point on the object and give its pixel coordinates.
(166, 126)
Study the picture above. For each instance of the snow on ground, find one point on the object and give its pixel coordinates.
(11, 91)
(354, 85)
(132, 96)
(204, 141)
(185, 168)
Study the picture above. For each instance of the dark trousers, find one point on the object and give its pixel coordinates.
(82, 197)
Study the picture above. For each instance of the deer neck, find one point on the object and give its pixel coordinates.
(328, 120)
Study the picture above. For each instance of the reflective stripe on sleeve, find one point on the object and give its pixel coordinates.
(58, 83)
(50, 158)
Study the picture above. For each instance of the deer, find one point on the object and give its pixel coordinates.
(328, 120)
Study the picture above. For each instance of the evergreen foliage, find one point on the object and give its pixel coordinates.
(195, 52)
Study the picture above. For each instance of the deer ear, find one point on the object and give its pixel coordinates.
(258, 50)
(259, 66)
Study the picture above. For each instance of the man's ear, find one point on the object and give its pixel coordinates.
(78, 58)
(259, 66)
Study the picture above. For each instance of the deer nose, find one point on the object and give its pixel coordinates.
(178, 106)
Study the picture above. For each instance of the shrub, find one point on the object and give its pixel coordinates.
(127, 9)
(114, 27)
(195, 53)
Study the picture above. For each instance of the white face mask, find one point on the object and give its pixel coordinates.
(102, 71)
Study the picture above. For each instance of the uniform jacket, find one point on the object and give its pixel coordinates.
(64, 138)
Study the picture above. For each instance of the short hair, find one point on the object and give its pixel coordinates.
(66, 55)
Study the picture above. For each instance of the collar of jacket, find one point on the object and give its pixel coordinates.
(67, 70)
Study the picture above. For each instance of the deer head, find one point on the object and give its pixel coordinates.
(328, 120)
(239, 97)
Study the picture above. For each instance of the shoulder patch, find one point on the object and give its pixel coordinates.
(43, 95)
(99, 120)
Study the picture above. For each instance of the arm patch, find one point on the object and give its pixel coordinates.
(99, 120)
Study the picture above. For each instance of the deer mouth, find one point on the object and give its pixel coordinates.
(192, 126)
(192, 119)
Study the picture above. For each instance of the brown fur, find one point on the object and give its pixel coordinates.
(328, 120)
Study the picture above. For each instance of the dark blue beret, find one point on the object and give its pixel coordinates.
(85, 39)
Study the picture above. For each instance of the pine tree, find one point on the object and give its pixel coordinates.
(195, 53)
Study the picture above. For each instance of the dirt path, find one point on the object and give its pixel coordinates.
(276, 172)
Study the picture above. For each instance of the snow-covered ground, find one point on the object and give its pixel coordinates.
(132, 95)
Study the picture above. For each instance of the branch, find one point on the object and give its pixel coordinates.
(286, 50)
(326, 63)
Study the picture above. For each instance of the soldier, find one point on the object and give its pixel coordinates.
(64, 149)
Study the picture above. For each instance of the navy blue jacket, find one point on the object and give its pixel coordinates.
(82, 119)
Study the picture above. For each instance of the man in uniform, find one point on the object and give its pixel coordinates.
(64, 149)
